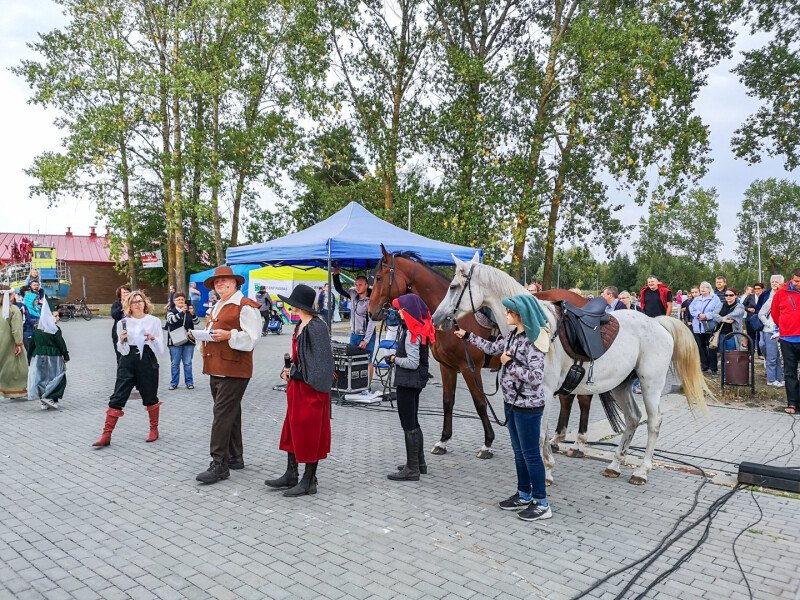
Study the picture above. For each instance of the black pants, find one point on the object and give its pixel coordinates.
(226, 431)
(265, 317)
(136, 371)
(408, 407)
(706, 357)
(791, 356)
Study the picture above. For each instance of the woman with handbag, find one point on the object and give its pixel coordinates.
(702, 310)
(730, 318)
(306, 434)
(180, 320)
(768, 339)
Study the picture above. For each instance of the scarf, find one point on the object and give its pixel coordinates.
(726, 308)
(417, 317)
(47, 321)
(533, 319)
(5, 294)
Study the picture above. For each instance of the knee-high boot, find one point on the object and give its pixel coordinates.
(289, 478)
(112, 416)
(410, 472)
(307, 485)
(152, 412)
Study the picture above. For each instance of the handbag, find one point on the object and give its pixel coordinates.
(714, 342)
(178, 336)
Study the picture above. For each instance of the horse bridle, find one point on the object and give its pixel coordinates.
(391, 266)
(467, 286)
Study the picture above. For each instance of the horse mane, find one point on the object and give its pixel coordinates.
(502, 282)
(415, 256)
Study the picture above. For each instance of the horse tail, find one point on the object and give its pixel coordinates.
(613, 413)
(686, 361)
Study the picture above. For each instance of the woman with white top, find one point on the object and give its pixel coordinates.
(768, 340)
(139, 341)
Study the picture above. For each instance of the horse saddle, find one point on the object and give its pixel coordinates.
(586, 333)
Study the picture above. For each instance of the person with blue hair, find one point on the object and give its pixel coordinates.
(522, 355)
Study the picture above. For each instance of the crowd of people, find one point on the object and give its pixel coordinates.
(35, 355)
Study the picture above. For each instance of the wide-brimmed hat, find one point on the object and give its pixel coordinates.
(222, 272)
(302, 297)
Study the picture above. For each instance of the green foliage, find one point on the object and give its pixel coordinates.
(622, 273)
(775, 203)
(771, 74)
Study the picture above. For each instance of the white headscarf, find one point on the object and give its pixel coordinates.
(5, 294)
(47, 321)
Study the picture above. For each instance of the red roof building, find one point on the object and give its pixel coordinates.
(89, 259)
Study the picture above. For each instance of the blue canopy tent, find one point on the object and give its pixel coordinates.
(199, 278)
(351, 238)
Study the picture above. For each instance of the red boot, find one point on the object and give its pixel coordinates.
(153, 413)
(112, 416)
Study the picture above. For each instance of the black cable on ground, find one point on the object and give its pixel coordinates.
(736, 539)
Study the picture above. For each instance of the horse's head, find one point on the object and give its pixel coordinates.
(391, 280)
(464, 296)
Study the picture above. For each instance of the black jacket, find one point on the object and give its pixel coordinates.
(410, 378)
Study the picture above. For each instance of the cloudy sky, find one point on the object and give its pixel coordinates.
(28, 130)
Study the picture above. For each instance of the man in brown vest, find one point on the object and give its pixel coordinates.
(236, 325)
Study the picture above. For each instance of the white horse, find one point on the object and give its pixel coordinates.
(644, 344)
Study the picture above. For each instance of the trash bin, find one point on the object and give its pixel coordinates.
(737, 367)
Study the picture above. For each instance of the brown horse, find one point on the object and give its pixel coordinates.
(402, 273)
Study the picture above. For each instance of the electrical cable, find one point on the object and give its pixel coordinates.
(736, 539)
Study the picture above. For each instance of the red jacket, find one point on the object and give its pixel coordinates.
(785, 311)
(662, 292)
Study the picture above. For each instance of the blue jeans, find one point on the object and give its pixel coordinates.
(181, 354)
(772, 357)
(524, 427)
(356, 339)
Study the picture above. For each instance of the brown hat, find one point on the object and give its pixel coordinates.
(222, 272)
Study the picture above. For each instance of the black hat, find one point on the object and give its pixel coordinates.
(302, 297)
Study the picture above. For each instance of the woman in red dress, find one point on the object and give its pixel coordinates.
(306, 434)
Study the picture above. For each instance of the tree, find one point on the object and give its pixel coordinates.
(771, 74)
(775, 204)
(622, 273)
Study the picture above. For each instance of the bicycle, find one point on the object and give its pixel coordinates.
(78, 309)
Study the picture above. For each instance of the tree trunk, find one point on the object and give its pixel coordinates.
(177, 172)
(133, 279)
(166, 162)
(215, 181)
(237, 203)
(540, 124)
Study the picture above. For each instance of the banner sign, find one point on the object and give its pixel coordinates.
(152, 260)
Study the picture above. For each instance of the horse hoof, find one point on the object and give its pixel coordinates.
(612, 474)
(573, 453)
(485, 454)
(548, 482)
(636, 480)
(438, 450)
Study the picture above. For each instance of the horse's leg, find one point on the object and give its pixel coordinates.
(651, 394)
(623, 394)
(578, 449)
(448, 402)
(563, 420)
(545, 449)
(481, 406)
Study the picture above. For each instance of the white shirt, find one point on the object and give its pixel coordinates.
(250, 319)
(137, 330)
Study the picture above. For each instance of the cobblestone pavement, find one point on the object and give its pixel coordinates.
(129, 521)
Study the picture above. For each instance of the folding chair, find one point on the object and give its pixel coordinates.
(384, 369)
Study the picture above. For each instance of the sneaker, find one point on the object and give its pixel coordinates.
(43, 406)
(173, 387)
(189, 386)
(515, 503)
(50, 403)
(535, 512)
(778, 384)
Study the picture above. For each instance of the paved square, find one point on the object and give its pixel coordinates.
(129, 521)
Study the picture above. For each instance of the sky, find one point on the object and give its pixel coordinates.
(28, 130)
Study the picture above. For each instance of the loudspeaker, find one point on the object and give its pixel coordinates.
(776, 478)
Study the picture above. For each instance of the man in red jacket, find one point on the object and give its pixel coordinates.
(655, 298)
(786, 314)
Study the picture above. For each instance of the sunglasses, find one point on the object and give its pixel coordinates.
(730, 295)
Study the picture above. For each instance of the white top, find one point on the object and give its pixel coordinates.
(137, 330)
(250, 319)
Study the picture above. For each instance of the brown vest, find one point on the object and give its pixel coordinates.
(218, 357)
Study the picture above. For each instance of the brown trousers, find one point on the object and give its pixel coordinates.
(226, 431)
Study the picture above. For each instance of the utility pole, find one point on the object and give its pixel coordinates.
(409, 214)
(758, 243)
(558, 275)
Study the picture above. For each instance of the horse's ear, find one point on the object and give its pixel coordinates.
(384, 252)
(477, 257)
(459, 263)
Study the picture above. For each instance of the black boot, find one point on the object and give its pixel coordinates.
(423, 467)
(215, 472)
(410, 472)
(288, 479)
(307, 485)
(236, 463)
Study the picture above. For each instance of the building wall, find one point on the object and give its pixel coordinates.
(102, 281)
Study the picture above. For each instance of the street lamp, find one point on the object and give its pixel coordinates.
(758, 245)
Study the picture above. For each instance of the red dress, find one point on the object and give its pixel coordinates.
(307, 425)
